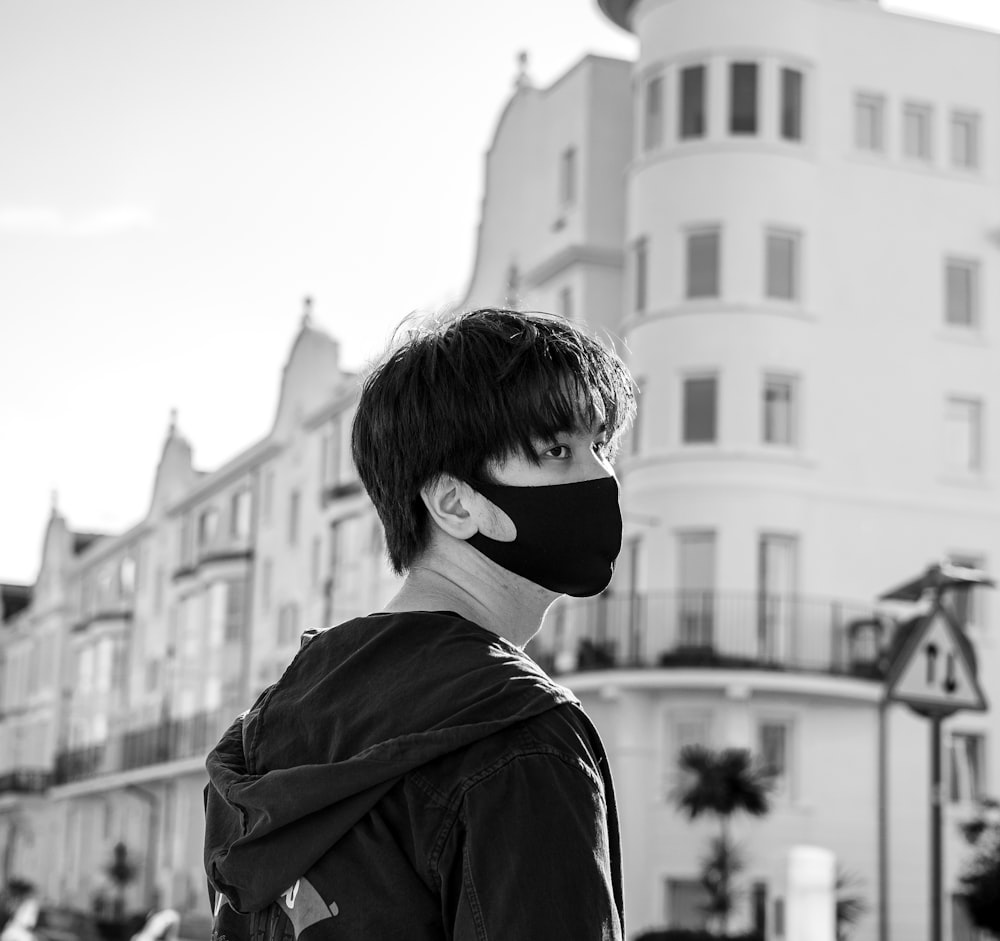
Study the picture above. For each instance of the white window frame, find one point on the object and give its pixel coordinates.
(653, 119)
(640, 275)
(794, 239)
(972, 268)
(690, 235)
(869, 122)
(965, 153)
(785, 789)
(975, 600)
(705, 102)
(799, 119)
(695, 377)
(920, 116)
(673, 741)
(792, 383)
(753, 68)
(569, 183)
(973, 462)
(966, 784)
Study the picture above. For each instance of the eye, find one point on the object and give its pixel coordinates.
(560, 452)
(601, 447)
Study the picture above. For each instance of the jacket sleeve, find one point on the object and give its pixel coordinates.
(531, 856)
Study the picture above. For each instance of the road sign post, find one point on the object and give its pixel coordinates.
(934, 674)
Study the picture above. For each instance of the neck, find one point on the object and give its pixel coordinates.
(477, 589)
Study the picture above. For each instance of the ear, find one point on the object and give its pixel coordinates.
(447, 500)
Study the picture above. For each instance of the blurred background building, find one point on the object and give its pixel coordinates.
(786, 214)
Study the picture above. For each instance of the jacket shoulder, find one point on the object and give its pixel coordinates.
(564, 733)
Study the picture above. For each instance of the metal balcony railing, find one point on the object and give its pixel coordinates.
(165, 741)
(741, 630)
(25, 781)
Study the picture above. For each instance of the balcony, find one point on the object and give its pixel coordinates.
(25, 781)
(224, 556)
(163, 742)
(726, 630)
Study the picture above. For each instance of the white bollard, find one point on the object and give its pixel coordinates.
(810, 901)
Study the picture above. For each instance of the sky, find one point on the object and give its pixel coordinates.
(177, 175)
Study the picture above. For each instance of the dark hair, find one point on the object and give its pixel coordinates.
(461, 393)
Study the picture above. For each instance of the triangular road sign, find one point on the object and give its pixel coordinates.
(935, 669)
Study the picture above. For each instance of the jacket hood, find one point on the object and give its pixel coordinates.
(361, 705)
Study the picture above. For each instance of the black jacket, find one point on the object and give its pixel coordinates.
(413, 776)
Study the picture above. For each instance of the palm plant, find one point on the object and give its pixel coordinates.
(723, 783)
(850, 905)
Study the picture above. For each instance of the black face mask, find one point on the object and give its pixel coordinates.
(568, 535)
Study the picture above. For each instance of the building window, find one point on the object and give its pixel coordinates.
(869, 119)
(692, 110)
(966, 601)
(965, 140)
(337, 465)
(694, 728)
(268, 498)
(780, 419)
(702, 269)
(288, 623)
(294, 505)
(567, 177)
(126, 576)
(652, 114)
(640, 274)
(239, 514)
(773, 754)
(687, 904)
(791, 104)
(966, 754)
(235, 609)
(917, 131)
(696, 595)
(782, 265)
(158, 583)
(961, 302)
(216, 613)
(777, 596)
(743, 98)
(963, 435)
(700, 408)
(187, 541)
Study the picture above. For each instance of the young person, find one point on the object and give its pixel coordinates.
(414, 774)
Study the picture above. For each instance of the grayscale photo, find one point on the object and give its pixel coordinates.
(500, 471)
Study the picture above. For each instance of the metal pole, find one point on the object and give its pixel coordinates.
(936, 924)
(883, 821)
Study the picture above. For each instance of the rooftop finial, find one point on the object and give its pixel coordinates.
(54, 500)
(172, 429)
(522, 79)
(307, 309)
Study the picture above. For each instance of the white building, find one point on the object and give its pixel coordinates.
(786, 215)
(809, 209)
(135, 651)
